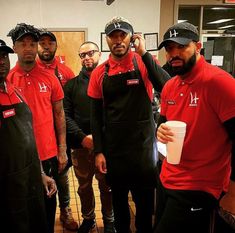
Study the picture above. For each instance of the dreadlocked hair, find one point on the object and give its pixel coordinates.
(23, 28)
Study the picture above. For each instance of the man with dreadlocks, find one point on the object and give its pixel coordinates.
(44, 95)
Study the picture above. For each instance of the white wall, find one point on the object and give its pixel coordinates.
(93, 15)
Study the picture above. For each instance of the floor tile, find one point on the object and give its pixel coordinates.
(76, 206)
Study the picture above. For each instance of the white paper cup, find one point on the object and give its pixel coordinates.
(174, 149)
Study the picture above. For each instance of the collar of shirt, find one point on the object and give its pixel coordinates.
(192, 76)
(124, 62)
(7, 87)
(85, 73)
(33, 72)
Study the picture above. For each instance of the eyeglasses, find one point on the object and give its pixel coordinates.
(89, 53)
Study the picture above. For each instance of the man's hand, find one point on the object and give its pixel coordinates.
(87, 142)
(139, 44)
(62, 158)
(227, 202)
(49, 184)
(164, 134)
(100, 163)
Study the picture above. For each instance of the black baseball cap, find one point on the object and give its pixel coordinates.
(47, 33)
(181, 33)
(118, 23)
(22, 30)
(4, 47)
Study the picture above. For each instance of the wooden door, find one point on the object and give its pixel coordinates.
(68, 44)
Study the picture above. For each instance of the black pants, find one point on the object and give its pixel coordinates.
(173, 215)
(50, 167)
(144, 203)
(187, 211)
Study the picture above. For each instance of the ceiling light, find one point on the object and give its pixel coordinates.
(228, 26)
(182, 20)
(220, 21)
(221, 8)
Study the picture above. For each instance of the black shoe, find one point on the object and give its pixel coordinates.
(109, 228)
(86, 226)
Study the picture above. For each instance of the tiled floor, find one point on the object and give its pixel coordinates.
(75, 205)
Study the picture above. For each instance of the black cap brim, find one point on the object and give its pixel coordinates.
(179, 40)
(29, 34)
(6, 48)
(118, 29)
(52, 36)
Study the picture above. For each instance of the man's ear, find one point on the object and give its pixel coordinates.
(14, 48)
(199, 46)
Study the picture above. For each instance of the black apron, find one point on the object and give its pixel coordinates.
(22, 207)
(130, 145)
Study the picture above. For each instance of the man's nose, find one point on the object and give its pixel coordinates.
(118, 39)
(2, 60)
(174, 52)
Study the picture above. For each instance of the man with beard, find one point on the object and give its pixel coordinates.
(122, 123)
(44, 95)
(77, 111)
(47, 47)
(203, 96)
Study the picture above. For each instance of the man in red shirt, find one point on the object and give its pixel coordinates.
(122, 123)
(47, 47)
(18, 155)
(203, 96)
(44, 95)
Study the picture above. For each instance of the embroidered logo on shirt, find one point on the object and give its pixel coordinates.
(133, 81)
(60, 76)
(170, 102)
(9, 113)
(193, 99)
(43, 87)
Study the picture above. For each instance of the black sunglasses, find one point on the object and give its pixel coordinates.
(89, 53)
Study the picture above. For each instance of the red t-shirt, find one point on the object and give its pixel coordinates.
(117, 67)
(64, 72)
(204, 100)
(41, 90)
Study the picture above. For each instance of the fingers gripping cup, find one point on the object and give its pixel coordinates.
(174, 149)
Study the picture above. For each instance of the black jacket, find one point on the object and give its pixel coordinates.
(77, 109)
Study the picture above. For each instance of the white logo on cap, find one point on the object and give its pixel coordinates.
(117, 25)
(173, 34)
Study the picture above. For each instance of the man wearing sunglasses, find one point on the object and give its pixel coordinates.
(77, 111)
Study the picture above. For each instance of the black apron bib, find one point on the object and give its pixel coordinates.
(21, 197)
(130, 145)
